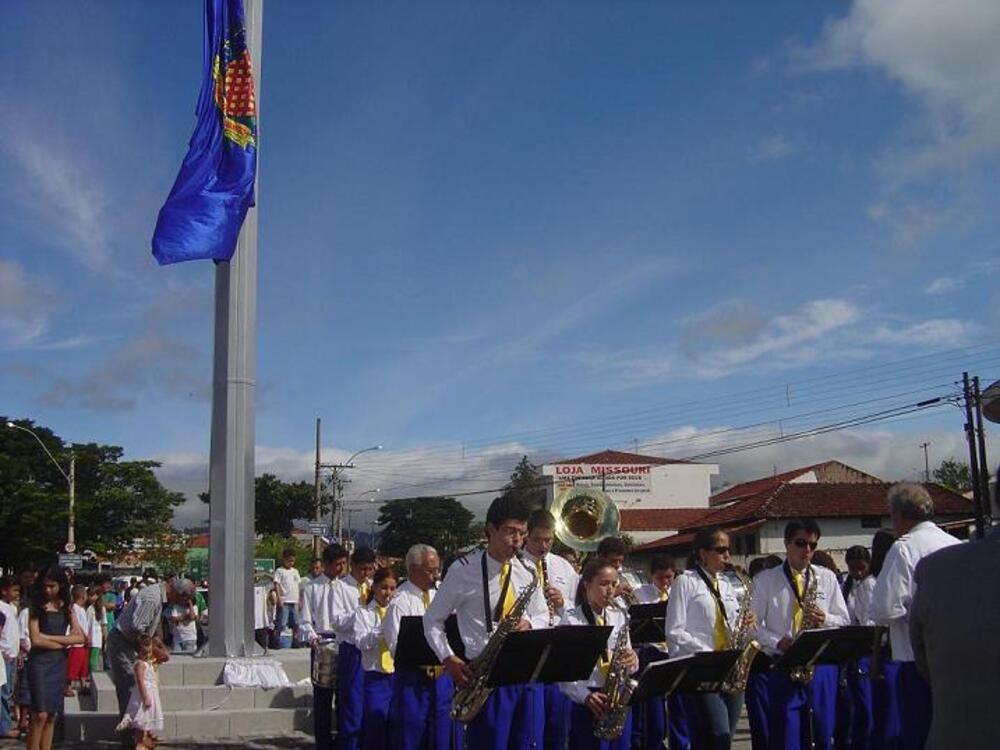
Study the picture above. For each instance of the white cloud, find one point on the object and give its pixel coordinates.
(772, 148)
(944, 285)
(25, 302)
(945, 57)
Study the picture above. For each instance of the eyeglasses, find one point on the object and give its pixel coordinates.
(802, 544)
(722, 550)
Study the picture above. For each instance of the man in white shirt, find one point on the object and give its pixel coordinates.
(350, 675)
(481, 590)
(10, 646)
(780, 606)
(419, 716)
(558, 582)
(910, 510)
(324, 615)
(286, 582)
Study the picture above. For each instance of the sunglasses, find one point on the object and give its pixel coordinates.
(720, 549)
(802, 544)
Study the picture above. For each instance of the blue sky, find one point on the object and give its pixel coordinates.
(484, 224)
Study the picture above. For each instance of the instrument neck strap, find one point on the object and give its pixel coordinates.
(716, 593)
(791, 580)
(493, 614)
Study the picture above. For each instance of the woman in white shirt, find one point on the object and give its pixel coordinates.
(700, 611)
(594, 596)
(376, 660)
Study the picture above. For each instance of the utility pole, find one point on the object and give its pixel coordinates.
(984, 468)
(927, 465)
(71, 531)
(317, 491)
(971, 438)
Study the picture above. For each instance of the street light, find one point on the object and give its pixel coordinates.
(70, 479)
(350, 508)
(348, 464)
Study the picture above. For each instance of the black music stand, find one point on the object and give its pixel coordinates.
(696, 673)
(828, 646)
(565, 653)
(412, 649)
(646, 623)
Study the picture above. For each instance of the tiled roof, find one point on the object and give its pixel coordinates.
(826, 500)
(685, 540)
(656, 519)
(621, 457)
(754, 486)
(198, 541)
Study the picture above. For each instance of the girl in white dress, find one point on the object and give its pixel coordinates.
(144, 714)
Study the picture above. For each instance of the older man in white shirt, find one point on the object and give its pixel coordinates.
(910, 510)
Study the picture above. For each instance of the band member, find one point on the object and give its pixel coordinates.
(558, 581)
(595, 606)
(700, 613)
(321, 618)
(910, 510)
(481, 589)
(854, 705)
(421, 698)
(376, 660)
(350, 677)
(652, 720)
(613, 550)
(887, 732)
(787, 600)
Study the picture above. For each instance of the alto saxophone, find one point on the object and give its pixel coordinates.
(804, 675)
(618, 687)
(467, 700)
(740, 637)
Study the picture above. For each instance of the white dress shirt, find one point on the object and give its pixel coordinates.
(368, 636)
(83, 620)
(408, 602)
(327, 607)
(561, 576)
(692, 613)
(579, 690)
(22, 622)
(11, 636)
(894, 588)
(773, 604)
(859, 601)
(461, 592)
(648, 593)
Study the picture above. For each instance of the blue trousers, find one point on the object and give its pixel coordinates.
(757, 708)
(513, 718)
(7, 696)
(419, 716)
(887, 733)
(378, 698)
(652, 720)
(914, 706)
(581, 731)
(288, 617)
(350, 697)
(789, 705)
(556, 718)
(712, 718)
(855, 721)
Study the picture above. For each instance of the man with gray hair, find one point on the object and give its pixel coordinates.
(141, 616)
(910, 510)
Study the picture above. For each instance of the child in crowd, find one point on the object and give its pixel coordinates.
(286, 583)
(144, 714)
(98, 630)
(78, 659)
(376, 661)
(184, 628)
(51, 618)
(22, 694)
(10, 646)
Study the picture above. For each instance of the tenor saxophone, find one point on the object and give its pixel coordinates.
(740, 637)
(468, 700)
(804, 675)
(618, 687)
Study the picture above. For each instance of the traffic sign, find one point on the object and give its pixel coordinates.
(70, 547)
(319, 529)
(263, 564)
(70, 561)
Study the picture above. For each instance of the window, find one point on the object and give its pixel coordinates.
(871, 522)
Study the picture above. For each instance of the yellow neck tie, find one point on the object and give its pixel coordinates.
(541, 575)
(663, 596)
(363, 593)
(508, 596)
(605, 662)
(432, 672)
(721, 637)
(796, 607)
(384, 657)
(426, 596)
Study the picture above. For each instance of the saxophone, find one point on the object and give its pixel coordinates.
(618, 687)
(804, 675)
(740, 637)
(467, 700)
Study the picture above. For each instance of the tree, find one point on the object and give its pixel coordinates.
(526, 482)
(442, 522)
(954, 475)
(117, 501)
(279, 503)
(167, 552)
(272, 545)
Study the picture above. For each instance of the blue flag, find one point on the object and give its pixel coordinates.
(214, 188)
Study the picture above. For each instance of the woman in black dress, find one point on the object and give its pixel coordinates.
(52, 628)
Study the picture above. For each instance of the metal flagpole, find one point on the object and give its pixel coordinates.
(231, 475)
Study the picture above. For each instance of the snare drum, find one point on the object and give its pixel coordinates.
(324, 663)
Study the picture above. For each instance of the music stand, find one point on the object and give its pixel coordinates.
(565, 653)
(646, 623)
(828, 646)
(412, 649)
(696, 673)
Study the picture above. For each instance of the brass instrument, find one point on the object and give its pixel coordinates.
(469, 699)
(804, 675)
(618, 687)
(740, 637)
(584, 516)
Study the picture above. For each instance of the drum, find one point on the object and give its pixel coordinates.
(324, 663)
